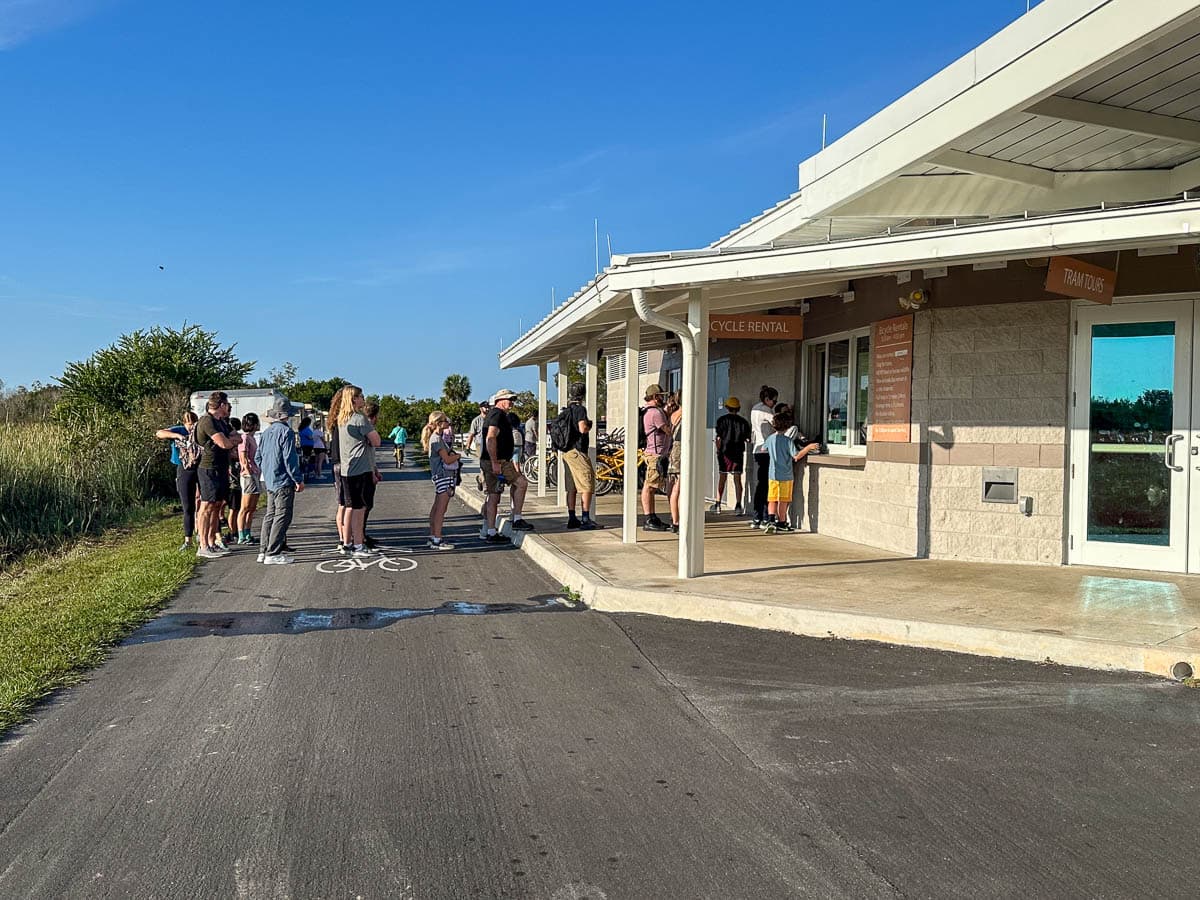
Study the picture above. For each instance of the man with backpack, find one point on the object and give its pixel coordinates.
(732, 435)
(657, 442)
(216, 438)
(569, 433)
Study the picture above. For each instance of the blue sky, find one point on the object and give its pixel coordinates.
(388, 191)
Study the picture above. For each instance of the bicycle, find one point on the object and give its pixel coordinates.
(385, 563)
(530, 469)
(610, 470)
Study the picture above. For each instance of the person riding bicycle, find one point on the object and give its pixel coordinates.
(398, 437)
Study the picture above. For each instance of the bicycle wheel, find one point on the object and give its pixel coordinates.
(530, 468)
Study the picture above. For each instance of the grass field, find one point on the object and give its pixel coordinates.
(59, 617)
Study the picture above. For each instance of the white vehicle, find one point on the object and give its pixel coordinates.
(255, 400)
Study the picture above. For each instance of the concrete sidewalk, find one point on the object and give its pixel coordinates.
(815, 585)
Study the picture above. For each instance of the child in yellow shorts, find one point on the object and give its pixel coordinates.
(783, 453)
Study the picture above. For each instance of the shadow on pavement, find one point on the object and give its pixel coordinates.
(301, 621)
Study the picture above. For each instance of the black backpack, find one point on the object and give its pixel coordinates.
(641, 428)
(560, 430)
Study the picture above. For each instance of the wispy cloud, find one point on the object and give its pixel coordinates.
(385, 272)
(786, 124)
(21, 20)
(81, 307)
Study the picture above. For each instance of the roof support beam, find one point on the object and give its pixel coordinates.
(1134, 121)
(965, 196)
(1000, 169)
(1185, 177)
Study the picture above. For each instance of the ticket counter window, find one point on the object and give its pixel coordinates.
(837, 390)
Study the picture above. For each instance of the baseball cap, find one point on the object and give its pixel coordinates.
(733, 403)
(654, 390)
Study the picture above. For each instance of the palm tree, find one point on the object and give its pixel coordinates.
(456, 388)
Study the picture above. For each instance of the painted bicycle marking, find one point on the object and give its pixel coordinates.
(354, 564)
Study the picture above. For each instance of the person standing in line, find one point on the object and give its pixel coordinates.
(251, 479)
(531, 437)
(371, 411)
(357, 440)
(185, 456)
(674, 410)
(342, 516)
(475, 434)
(216, 440)
(443, 469)
(658, 445)
(319, 451)
(305, 435)
(782, 453)
(233, 508)
(761, 428)
(730, 437)
(276, 459)
(579, 472)
(398, 437)
(496, 461)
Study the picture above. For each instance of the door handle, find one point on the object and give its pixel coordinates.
(1169, 452)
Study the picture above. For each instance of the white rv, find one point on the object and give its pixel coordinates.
(255, 400)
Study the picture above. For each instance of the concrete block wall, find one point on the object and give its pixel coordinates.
(876, 505)
(773, 364)
(996, 395)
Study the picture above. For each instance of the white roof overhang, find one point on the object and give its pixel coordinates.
(766, 278)
(1077, 103)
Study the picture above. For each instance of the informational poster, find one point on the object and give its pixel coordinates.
(891, 379)
(756, 328)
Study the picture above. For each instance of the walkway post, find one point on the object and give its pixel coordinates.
(542, 443)
(695, 416)
(561, 496)
(633, 384)
(591, 375)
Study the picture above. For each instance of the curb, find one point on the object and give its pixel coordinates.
(600, 595)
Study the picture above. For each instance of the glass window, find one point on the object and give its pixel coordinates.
(837, 391)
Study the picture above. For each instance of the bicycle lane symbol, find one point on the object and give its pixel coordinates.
(353, 564)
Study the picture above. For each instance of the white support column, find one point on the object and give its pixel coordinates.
(542, 443)
(695, 415)
(561, 497)
(631, 499)
(591, 376)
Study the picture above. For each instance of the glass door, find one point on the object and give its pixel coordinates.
(1131, 437)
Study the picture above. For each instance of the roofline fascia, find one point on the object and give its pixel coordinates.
(589, 299)
(1177, 222)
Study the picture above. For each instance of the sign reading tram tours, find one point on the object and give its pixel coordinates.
(756, 328)
(1074, 278)
(891, 379)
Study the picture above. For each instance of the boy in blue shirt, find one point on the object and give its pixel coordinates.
(782, 451)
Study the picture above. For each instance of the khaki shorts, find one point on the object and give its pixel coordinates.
(654, 477)
(490, 479)
(580, 474)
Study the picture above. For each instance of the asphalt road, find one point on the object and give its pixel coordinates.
(448, 729)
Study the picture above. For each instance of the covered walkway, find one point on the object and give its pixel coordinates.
(816, 585)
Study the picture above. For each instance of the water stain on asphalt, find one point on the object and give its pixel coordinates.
(185, 625)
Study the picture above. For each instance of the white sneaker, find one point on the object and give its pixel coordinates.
(440, 545)
(364, 553)
(281, 559)
(262, 557)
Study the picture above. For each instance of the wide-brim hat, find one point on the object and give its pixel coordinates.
(733, 403)
(504, 394)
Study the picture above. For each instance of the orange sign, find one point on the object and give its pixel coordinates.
(757, 328)
(891, 379)
(1074, 278)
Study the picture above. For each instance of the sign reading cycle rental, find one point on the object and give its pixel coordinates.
(891, 379)
(756, 328)
(1075, 278)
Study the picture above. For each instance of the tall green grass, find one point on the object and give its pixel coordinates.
(59, 482)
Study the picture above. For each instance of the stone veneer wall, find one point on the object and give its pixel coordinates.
(996, 395)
